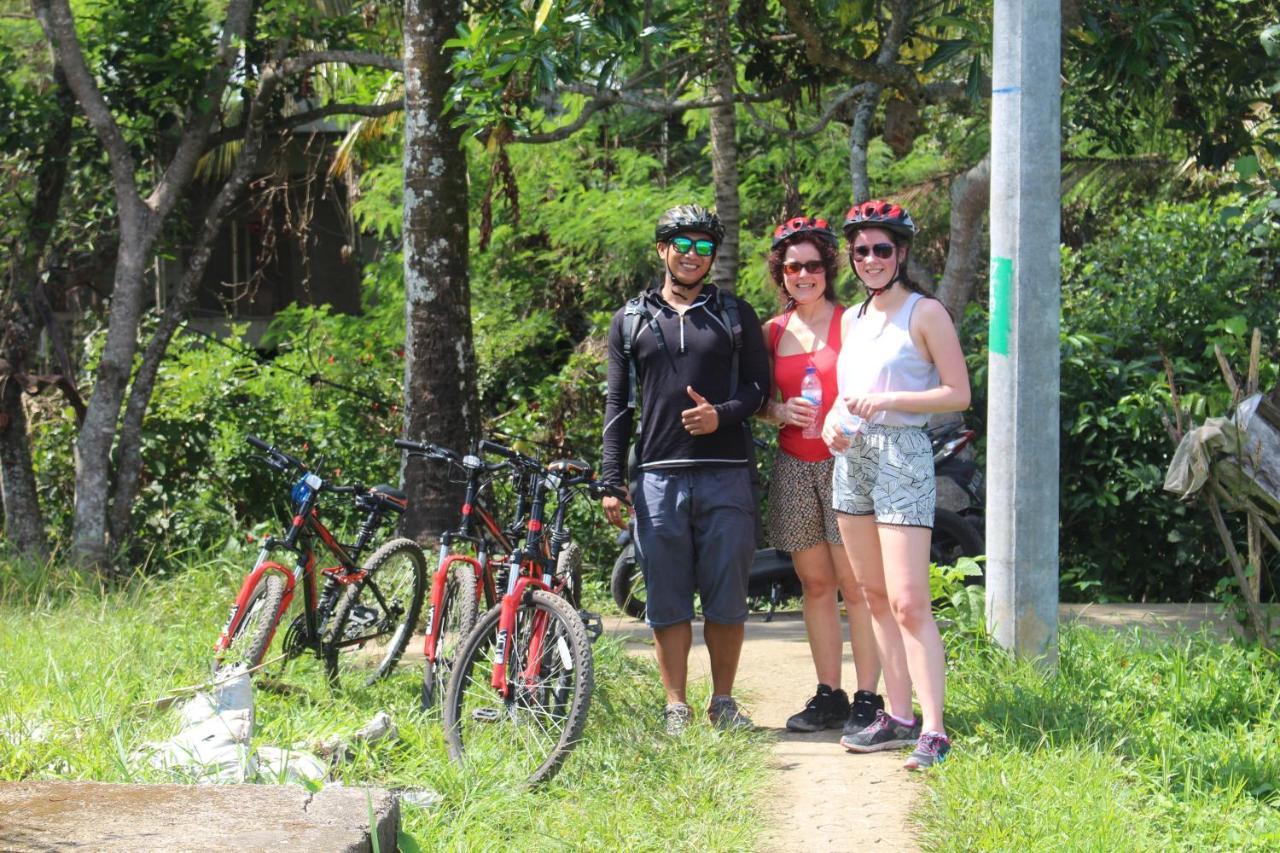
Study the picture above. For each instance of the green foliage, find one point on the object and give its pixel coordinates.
(1166, 280)
(1188, 74)
(1134, 743)
(956, 599)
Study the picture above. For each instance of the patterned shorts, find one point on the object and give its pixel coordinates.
(888, 472)
(800, 513)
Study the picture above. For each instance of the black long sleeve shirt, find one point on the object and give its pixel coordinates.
(698, 353)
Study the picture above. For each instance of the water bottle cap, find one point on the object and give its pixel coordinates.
(811, 369)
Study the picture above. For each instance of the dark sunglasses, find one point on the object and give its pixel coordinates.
(811, 267)
(682, 245)
(883, 251)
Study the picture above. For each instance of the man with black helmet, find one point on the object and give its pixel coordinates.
(694, 357)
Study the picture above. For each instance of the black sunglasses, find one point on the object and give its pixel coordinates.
(883, 251)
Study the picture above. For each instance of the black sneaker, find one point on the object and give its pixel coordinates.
(884, 733)
(826, 710)
(862, 712)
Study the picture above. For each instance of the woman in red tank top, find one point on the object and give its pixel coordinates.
(801, 519)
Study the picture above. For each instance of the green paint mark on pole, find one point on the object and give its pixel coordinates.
(1001, 304)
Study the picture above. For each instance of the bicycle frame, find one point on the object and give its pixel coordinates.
(530, 567)
(303, 526)
(472, 506)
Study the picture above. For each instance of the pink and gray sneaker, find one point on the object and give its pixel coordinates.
(931, 749)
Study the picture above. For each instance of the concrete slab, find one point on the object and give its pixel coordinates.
(48, 816)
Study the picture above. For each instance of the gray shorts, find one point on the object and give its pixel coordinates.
(887, 472)
(695, 531)
(800, 513)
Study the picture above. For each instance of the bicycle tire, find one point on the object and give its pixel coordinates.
(457, 619)
(396, 570)
(535, 727)
(569, 571)
(252, 637)
(627, 584)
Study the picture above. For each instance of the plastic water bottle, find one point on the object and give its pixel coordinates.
(811, 390)
(850, 424)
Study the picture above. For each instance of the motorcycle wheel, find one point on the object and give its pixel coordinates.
(627, 584)
(954, 537)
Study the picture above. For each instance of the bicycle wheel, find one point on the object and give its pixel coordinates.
(569, 571)
(627, 584)
(457, 618)
(549, 680)
(375, 618)
(253, 635)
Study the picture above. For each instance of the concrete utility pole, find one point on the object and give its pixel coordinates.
(1022, 406)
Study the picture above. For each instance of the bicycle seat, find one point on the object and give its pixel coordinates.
(571, 467)
(389, 497)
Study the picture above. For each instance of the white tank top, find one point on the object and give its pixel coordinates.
(878, 356)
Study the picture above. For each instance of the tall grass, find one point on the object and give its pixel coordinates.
(1135, 744)
(79, 667)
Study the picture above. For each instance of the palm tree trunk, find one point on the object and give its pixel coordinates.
(724, 148)
(441, 400)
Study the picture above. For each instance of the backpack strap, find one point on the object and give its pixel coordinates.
(732, 319)
(633, 315)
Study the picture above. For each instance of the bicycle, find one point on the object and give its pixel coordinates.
(337, 621)
(528, 662)
(461, 580)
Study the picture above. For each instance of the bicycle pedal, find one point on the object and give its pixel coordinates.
(485, 715)
(593, 623)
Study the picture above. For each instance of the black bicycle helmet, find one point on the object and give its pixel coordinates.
(879, 214)
(688, 217)
(803, 225)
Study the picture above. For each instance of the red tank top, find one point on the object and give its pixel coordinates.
(788, 370)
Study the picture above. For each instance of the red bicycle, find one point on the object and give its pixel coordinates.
(470, 558)
(374, 603)
(521, 686)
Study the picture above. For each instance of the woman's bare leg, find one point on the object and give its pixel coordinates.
(905, 551)
(862, 544)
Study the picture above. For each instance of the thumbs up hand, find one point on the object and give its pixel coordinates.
(702, 419)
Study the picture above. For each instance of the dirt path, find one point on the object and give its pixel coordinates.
(825, 798)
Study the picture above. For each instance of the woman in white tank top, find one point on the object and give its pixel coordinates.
(899, 363)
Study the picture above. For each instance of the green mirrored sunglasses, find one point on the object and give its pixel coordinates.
(704, 248)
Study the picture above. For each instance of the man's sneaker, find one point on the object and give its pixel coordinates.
(676, 717)
(884, 733)
(862, 712)
(826, 710)
(931, 749)
(724, 713)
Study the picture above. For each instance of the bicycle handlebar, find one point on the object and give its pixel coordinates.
(428, 449)
(514, 456)
(276, 458)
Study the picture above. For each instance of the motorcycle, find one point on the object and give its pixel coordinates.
(958, 531)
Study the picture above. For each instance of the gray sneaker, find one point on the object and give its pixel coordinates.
(725, 714)
(676, 717)
(884, 733)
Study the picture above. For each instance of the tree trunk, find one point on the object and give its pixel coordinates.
(97, 435)
(23, 524)
(970, 195)
(859, 137)
(23, 521)
(441, 401)
(724, 148)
